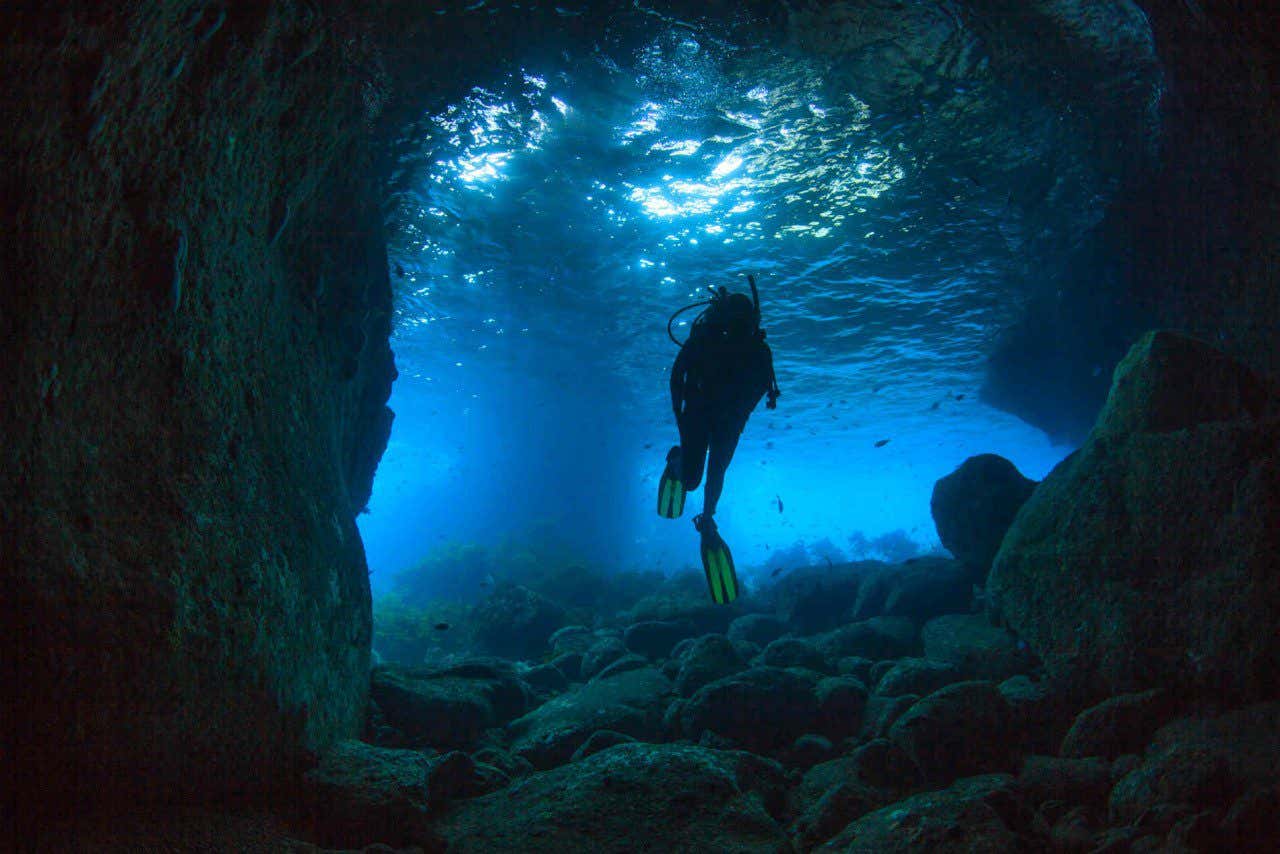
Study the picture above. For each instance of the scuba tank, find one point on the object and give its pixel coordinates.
(715, 313)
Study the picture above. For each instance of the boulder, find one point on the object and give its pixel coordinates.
(600, 740)
(855, 666)
(838, 805)
(357, 793)
(515, 622)
(794, 652)
(448, 707)
(1203, 762)
(622, 665)
(757, 628)
(1118, 725)
(880, 713)
(919, 588)
(974, 506)
(1039, 713)
(1075, 781)
(684, 597)
(973, 814)
(603, 652)
(878, 638)
(956, 732)
(655, 638)
(569, 664)
(979, 649)
(1147, 557)
(707, 659)
(571, 639)
(764, 709)
(841, 700)
(916, 676)
(809, 750)
(630, 703)
(673, 797)
(818, 598)
(545, 677)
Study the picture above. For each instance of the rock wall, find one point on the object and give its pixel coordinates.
(194, 357)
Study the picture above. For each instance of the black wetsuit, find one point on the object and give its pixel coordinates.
(716, 382)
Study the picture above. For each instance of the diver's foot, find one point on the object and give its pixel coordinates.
(673, 454)
(704, 523)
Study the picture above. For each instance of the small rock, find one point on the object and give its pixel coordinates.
(857, 667)
(571, 639)
(546, 677)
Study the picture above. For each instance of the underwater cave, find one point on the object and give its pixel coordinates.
(338, 344)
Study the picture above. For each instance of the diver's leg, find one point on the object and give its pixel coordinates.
(724, 441)
(695, 433)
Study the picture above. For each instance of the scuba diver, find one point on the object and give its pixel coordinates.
(718, 378)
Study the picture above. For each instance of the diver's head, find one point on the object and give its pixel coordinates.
(738, 314)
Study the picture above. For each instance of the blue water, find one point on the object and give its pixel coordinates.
(550, 221)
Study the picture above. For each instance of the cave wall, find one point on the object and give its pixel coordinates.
(1191, 238)
(194, 356)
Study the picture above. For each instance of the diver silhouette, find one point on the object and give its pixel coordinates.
(718, 378)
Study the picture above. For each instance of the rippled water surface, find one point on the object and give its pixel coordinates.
(550, 221)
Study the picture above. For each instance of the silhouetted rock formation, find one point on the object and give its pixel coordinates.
(193, 347)
(973, 507)
(1148, 557)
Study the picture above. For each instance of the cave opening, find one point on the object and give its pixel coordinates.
(906, 188)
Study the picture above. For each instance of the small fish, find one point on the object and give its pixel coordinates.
(441, 627)
(877, 388)
(648, 445)
(827, 558)
(778, 498)
(400, 271)
(958, 396)
(882, 443)
(774, 574)
(936, 404)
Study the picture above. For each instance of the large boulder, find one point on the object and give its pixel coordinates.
(974, 506)
(878, 639)
(1148, 557)
(448, 707)
(630, 703)
(669, 797)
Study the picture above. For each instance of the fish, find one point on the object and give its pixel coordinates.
(441, 627)
(882, 443)
(936, 404)
(827, 558)
(774, 574)
(877, 388)
(400, 271)
(959, 397)
(778, 498)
